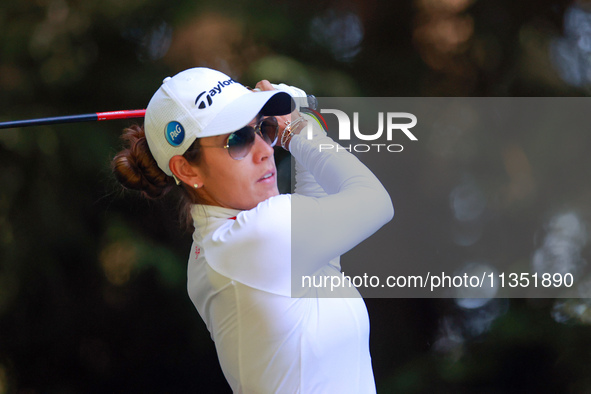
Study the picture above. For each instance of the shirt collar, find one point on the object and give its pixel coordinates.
(201, 213)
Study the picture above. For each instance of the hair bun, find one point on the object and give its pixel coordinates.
(135, 167)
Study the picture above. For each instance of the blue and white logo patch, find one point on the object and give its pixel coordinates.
(175, 133)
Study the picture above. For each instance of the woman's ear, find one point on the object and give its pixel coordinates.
(185, 172)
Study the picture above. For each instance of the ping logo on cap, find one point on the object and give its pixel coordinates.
(175, 133)
(207, 99)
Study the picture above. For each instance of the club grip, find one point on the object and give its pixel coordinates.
(133, 113)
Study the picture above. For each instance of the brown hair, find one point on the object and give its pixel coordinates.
(135, 168)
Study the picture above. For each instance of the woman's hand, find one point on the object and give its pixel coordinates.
(266, 85)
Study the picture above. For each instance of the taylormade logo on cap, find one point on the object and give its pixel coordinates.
(201, 102)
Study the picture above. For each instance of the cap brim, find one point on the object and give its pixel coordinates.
(245, 108)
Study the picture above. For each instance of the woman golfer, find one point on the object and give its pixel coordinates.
(213, 139)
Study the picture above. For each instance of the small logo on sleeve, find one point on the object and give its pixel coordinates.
(175, 133)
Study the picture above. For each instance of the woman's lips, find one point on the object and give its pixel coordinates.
(268, 177)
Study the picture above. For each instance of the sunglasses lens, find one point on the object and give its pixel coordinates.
(240, 142)
(269, 128)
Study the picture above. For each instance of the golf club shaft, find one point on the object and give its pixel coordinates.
(92, 117)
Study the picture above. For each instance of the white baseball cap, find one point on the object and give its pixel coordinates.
(200, 102)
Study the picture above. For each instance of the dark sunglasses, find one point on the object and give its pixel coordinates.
(240, 142)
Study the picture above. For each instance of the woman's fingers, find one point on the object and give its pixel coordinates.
(264, 85)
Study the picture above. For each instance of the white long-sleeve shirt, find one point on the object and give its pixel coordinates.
(240, 273)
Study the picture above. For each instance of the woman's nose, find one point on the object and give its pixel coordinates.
(261, 149)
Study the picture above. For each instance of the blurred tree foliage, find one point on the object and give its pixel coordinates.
(92, 280)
